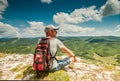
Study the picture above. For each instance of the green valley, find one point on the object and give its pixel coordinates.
(102, 48)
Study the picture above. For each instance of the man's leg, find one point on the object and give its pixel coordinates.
(62, 63)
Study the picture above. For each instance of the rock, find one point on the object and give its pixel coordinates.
(89, 72)
(19, 67)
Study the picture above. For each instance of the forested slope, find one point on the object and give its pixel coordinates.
(85, 47)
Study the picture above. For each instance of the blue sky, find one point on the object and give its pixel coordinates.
(28, 18)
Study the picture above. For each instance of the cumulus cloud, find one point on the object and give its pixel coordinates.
(36, 29)
(105, 32)
(7, 30)
(73, 30)
(76, 30)
(68, 22)
(3, 6)
(112, 7)
(46, 1)
(117, 29)
(78, 16)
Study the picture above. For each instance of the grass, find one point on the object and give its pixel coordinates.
(116, 76)
(108, 59)
(18, 76)
(0, 73)
(19, 67)
(2, 55)
(109, 67)
(57, 76)
(27, 71)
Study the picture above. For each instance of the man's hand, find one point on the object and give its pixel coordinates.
(74, 59)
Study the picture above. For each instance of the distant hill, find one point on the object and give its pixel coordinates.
(103, 39)
(84, 47)
(18, 45)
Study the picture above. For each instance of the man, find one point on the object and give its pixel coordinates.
(54, 43)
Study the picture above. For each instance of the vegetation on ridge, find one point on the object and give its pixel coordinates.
(85, 47)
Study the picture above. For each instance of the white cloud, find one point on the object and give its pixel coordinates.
(46, 1)
(86, 14)
(67, 21)
(117, 29)
(78, 16)
(105, 32)
(112, 7)
(3, 6)
(7, 30)
(73, 30)
(36, 29)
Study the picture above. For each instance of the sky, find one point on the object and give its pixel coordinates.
(28, 18)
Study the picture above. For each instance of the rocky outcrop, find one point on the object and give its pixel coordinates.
(12, 64)
(89, 72)
(19, 67)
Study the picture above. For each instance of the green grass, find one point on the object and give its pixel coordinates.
(2, 55)
(57, 76)
(107, 60)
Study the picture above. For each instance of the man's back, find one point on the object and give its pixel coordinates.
(54, 44)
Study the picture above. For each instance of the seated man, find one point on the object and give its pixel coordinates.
(54, 43)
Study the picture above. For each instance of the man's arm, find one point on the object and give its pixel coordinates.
(69, 52)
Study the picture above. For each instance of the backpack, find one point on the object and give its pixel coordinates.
(42, 56)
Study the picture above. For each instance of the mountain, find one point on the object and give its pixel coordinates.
(84, 47)
(103, 39)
